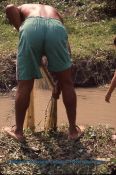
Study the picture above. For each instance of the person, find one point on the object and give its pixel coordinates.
(111, 88)
(112, 84)
(41, 32)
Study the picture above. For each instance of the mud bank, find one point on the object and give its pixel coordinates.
(94, 70)
(87, 71)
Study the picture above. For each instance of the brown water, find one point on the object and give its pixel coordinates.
(91, 108)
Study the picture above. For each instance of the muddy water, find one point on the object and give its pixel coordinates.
(91, 108)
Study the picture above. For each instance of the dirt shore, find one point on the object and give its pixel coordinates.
(86, 71)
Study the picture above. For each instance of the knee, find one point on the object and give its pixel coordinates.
(25, 87)
(67, 84)
(23, 91)
(23, 95)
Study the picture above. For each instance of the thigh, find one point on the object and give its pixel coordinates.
(25, 86)
(64, 77)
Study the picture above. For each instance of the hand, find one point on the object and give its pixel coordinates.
(44, 61)
(56, 91)
(107, 98)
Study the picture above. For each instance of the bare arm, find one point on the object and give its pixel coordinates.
(111, 88)
(13, 15)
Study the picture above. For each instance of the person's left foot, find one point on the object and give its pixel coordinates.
(16, 135)
(76, 133)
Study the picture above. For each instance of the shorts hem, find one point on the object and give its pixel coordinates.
(30, 78)
(61, 69)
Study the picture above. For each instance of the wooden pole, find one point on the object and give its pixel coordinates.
(47, 75)
(51, 124)
(29, 118)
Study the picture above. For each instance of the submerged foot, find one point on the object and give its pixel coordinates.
(12, 133)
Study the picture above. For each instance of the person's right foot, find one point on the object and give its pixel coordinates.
(76, 132)
(11, 132)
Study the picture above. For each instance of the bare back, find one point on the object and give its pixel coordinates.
(39, 10)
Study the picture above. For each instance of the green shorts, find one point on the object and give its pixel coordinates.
(40, 36)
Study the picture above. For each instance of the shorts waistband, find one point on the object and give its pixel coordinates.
(43, 17)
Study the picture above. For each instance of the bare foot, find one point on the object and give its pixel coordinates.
(76, 133)
(11, 132)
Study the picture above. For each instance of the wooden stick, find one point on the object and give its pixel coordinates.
(49, 77)
(29, 119)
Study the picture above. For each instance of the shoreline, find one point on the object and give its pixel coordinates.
(86, 71)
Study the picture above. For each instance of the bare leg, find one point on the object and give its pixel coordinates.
(22, 102)
(69, 99)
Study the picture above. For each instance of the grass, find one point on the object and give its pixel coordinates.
(8, 39)
(91, 33)
(47, 153)
(85, 37)
(8, 44)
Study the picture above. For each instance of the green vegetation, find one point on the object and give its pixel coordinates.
(91, 25)
(89, 28)
(8, 39)
(48, 153)
(86, 37)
